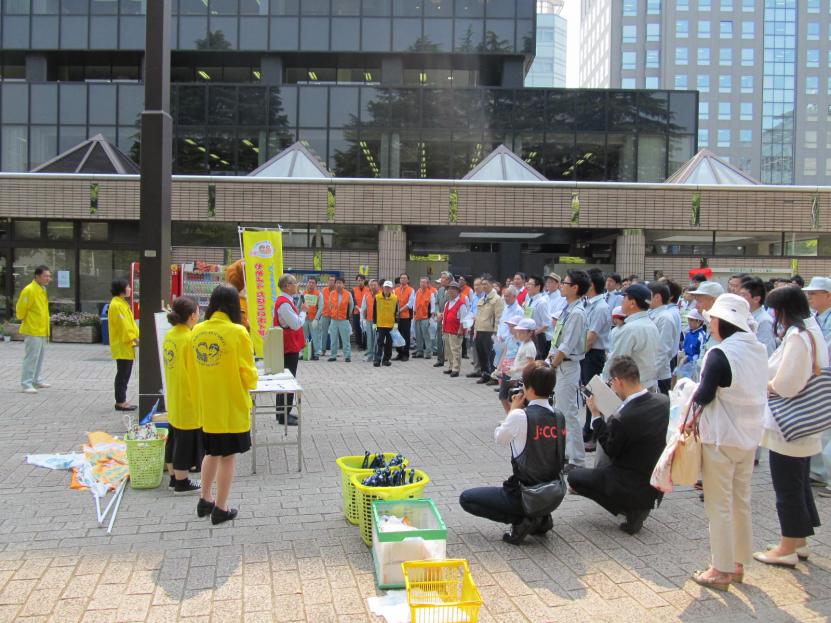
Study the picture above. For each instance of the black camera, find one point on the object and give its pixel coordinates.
(516, 390)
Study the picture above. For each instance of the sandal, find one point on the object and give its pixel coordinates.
(738, 577)
(719, 583)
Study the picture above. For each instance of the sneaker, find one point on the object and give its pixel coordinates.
(29, 390)
(347, 359)
(387, 363)
(438, 364)
(376, 364)
(171, 482)
(219, 516)
(186, 486)
(332, 359)
(519, 531)
(453, 375)
(203, 508)
(43, 385)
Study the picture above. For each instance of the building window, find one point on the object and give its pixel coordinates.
(681, 82)
(705, 5)
(725, 56)
(682, 29)
(725, 83)
(725, 29)
(828, 166)
(747, 84)
(813, 6)
(811, 112)
(628, 83)
(810, 168)
(703, 56)
(745, 137)
(811, 85)
(810, 139)
(653, 59)
(703, 111)
(829, 60)
(653, 7)
(703, 30)
(748, 6)
(703, 83)
(653, 32)
(630, 8)
(813, 31)
(628, 60)
(651, 82)
(746, 111)
(630, 33)
(723, 138)
(748, 30)
(703, 138)
(682, 56)
(682, 5)
(747, 57)
(812, 57)
(724, 111)
(546, 35)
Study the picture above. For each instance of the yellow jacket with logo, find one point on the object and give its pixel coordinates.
(123, 329)
(33, 310)
(386, 310)
(225, 372)
(180, 379)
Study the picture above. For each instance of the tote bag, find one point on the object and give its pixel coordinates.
(686, 460)
(809, 412)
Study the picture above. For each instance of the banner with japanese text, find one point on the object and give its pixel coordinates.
(262, 251)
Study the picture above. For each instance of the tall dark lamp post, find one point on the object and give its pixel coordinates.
(156, 156)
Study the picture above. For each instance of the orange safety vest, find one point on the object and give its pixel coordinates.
(466, 293)
(325, 294)
(403, 293)
(338, 306)
(422, 303)
(358, 295)
(370, 307)
(312, 311)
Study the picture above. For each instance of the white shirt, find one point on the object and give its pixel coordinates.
(288, 319)
(527, 350)
(503, 333)
(514, 430)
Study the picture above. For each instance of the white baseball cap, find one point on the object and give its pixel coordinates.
(695, 315)
(818, 284)
(731, 308)
(515, 320)
(708, 288)
(618, 312)
(387, 284)
(527, 324)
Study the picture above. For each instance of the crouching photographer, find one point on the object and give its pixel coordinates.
(535, 433)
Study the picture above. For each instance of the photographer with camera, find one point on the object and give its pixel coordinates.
(536, 435)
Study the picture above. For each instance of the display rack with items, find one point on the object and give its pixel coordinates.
(200, 280)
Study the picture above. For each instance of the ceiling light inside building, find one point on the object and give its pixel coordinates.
(367, 76)
(257, 74)
(204, 74)
(501, 235)
(312, 75)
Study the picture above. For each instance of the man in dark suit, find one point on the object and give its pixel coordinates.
(633, 438)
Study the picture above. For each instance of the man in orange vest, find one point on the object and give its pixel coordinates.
(406, 303)
(367, 313)
(340, 306)
(322, 319)
(425, 310)
(359, 293)
(312, 299)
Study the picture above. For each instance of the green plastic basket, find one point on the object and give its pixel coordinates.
(350, 466)
(145, 458)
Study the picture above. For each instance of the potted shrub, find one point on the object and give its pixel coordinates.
(4, 334)
(75, 327)
(12, 329)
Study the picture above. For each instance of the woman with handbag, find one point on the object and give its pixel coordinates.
(731, 398)
(797, 359)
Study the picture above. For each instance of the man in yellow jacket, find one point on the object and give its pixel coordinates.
(33, 311)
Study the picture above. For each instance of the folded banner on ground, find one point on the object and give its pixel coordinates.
(263, 254)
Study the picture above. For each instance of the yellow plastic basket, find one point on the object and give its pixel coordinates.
(349, 466)
(441, 591)
(365, 496)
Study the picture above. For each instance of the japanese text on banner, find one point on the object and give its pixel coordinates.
(263, 253)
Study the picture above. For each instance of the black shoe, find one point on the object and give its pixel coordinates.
(127, 408)
(347, 359)
(186, 486)
(492, 382)
(204, 508)
(219, 516)
(332, 359)
(172, 482)
(387, 363)
(438, 364)
(398, 358)
(418, 356)
(454, 375)
(406, 358)
(519, 531)
(482, 381)
(569, 468)
(448, 371)
(314, 358)
(292, 420)
(634, 521)
(473, 375)
(543, 525)
(376, 364)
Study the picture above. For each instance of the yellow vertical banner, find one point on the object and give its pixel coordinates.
(263, 253)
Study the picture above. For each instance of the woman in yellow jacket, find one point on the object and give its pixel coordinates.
(184, 444)
(225, 373)
(124, 337)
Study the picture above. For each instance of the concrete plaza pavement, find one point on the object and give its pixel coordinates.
(291, 556)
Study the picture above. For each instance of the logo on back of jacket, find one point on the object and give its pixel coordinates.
(209, 348)
(169, 355)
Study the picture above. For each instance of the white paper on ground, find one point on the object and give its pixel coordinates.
(55, 461)
(392, 606)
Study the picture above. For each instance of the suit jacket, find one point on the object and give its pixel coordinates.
(634, 439)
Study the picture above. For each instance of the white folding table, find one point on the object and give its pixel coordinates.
(275, 385)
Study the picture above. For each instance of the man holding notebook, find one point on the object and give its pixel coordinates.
(633, 438)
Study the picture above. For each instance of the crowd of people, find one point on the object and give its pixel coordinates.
(540, 342)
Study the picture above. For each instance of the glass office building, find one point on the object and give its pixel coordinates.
(377, 88)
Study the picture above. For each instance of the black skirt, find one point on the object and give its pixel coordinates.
(226, 444)
(184, 448)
